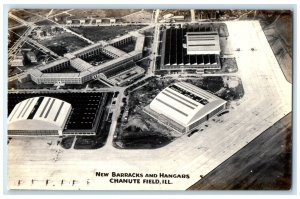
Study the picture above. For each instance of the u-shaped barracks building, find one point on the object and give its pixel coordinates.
(47, 74)
(183, 106)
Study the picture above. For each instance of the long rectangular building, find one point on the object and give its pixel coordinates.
(185, 49)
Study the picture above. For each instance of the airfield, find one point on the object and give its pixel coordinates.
(267, 98)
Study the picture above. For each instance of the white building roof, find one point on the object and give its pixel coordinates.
(114, 50)
(202, 43)
(80, 64)
(35, 72)
(52, 64)
(39, 113)
(60, 75)
(185, 103)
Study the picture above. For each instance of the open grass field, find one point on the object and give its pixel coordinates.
(64, 43)
(45, 22)
(42, 12)
(26, 16)
(104, 32)
(12, 23)
(19, 30)
(142, 16)
(115, 13)
(15, 34)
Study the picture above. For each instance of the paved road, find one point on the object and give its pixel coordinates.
(116, 113)
(156, 15)
(193, 15)
(267, 99)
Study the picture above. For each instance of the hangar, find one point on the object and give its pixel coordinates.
(183, 106)
(39, 116)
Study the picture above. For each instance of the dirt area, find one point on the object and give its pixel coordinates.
(263, 164)
(26, 16)
(280, 37)
(64, 43)
(115, 13)
(45, 23)
(143, 16)
(185, 13)
(12, 23)
(42, 12)
(104, 32)
(284, 27)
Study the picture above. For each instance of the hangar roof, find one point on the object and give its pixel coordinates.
(185, 103)
(39, 113)
(202, 43)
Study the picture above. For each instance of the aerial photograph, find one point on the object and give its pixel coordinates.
(149, 99)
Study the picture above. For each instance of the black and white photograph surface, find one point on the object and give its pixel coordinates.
(149, 99)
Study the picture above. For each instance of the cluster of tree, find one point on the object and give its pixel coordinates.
(134, 86)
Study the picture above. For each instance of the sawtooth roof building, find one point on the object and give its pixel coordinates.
(190, 50)
(45, 116)
(183, 106)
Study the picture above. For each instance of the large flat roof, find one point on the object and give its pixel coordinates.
(202, 43)
(43, 67)
(80, 64)
(114, 50)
